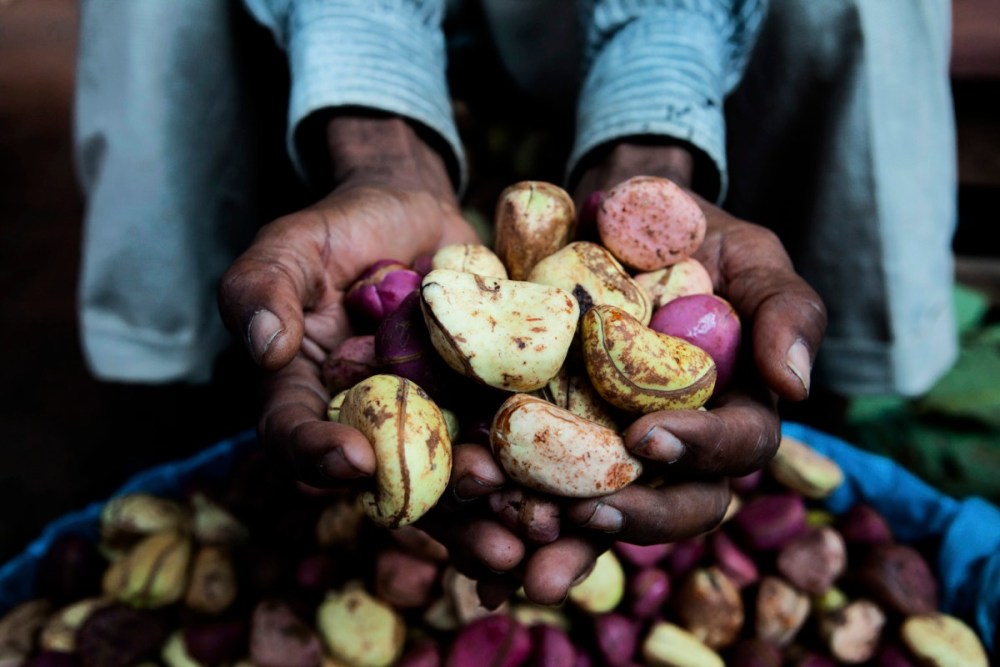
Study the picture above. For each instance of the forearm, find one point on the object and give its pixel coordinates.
(658, 73)
(622, 160)
(370, 148)
(347, 57)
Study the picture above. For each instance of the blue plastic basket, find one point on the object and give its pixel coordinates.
(968, 530)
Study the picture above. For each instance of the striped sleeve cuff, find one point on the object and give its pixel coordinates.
(661, 74)
(363, 54)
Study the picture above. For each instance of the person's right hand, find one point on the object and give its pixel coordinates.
(284, 298)
(284, 295)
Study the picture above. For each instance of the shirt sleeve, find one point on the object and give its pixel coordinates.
(387, 55)
(663, 68)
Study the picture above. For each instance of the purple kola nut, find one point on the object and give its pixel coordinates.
(551, 647)
(747, 484)
(587, 216)
(423, 653)
(403, 347)
(814, 560)
(891, 655)
(900, 579)
(316, 572)
(685, 556)
(118, 635)
(648, 590)
(497, 638)
(815, 660)
(732, 560)
(617, 638)
(280, 638)
(768, 522)
(708, 321)
(423, 263)
(217, 641)
(642, 555)
(350, 362)
(380, 289)
(51, 659)
(863, 526)
(754, 652)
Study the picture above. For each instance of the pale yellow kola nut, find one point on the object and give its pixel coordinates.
(603, 589)
(686, 277)
(592, 274)
(470, 258)
(533, 219)
(670, 645)
(412, 448)
(802, 469)
(359, 629)
(507, 334)
(571, 390)
(941, 640)
(547, 448)
(640, 370)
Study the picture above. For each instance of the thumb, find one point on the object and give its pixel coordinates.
(261, 299)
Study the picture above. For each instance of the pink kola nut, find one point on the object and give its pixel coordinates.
(503, 640)
(617, 638)
(648, 590)
(708, 321)
(649, 223)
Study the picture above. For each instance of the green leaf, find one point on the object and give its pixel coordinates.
(971, 306)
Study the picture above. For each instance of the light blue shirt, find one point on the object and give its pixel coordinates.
(647, 67)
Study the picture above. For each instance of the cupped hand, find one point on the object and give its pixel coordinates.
(284, 296)
(503, 558)
(696, 451)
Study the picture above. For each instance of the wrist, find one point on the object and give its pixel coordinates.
(646, 156)
(374, 149)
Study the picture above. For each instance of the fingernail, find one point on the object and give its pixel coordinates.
(799, 363)
(471, 487)
(661, 445)
(263, 329)
(336, 466)
(606, 519)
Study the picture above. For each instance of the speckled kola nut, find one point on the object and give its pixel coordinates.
(640, 370)
(686, 277)
(533, 219)
(650, 222)
(471, 258)
(507, 334)
(411, 443)
(571, 389)
(592, 274)
(549, 449)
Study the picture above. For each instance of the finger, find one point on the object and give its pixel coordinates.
(494, 590)
(553, 569)
(739, 435)
(261, 300)
(294, 427)
(477, 546)
(642, 515)
(474, 472)
(785, 316)
(530, 515)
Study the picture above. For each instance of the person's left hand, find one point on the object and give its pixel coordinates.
(696, 451)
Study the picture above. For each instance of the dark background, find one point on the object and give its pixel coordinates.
(67, 439)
